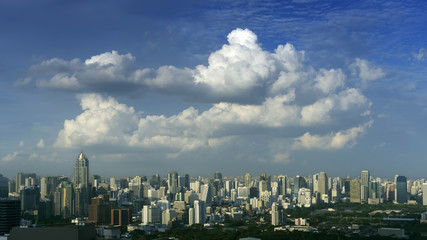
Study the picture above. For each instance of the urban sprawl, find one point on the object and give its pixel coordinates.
(143, 207)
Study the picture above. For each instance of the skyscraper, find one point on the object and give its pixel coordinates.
(282, 185)
(10, 214)
(323, 183)
(400, 192)
(81, 185)
(199, 212)
(424, 189)
(364, 186)
(355, 191)
(173, 182)
(299, 182)
(81, 172)
(248, 180)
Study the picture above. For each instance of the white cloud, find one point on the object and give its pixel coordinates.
(421, 55)
(345, 138)
(284, 158)
(366, 71)
(103, 120)
(240, 71)
(329, 81)
(282, 90)
(11, 157)
(21, 143)
(40, 144)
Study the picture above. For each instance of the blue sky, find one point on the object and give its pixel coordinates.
(283, 87)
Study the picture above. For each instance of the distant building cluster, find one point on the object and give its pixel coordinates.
(157, 202)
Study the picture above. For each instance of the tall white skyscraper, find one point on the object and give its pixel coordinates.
(424, 189)
(81, 172)
(199, 212)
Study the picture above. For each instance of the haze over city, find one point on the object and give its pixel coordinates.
(202, 86)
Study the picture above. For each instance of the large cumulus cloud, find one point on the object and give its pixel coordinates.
(249, 88)
(241, 71)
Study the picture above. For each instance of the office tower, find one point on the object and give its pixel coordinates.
(206, 194)
(173, 182)
(400, 192)
(81, 185)
(120, 217)
(10, 214)
(277, 214)
(262, 186)
(20, 179)
(12, 186)
(30, 197)
(424, 189)
(63, 200)
(243, 192)
(81, 171)
(218, 176)
(47, 186)
(364, 186)
(191, 216)
(95, 180)
(99, 210)
(374, 190)
(199, 212)
(155, 181)
(113, 185)
(263, 176)
(355, 191)
(323, 183)
(347, 186)
(151, 214)
(4, 187)
(186, 181)
(299, 182)
(282, 181)
(248, 180)
(315, 183)
(304, 197)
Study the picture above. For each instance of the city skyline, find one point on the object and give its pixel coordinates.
(289, 88)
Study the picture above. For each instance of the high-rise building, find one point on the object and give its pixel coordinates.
(191, 219)
(374, 190)
(48, 185)
(262, 186)
(401, 195)
(248, 180)
(4, 187)
(81, 171)
(30, 197)
(323, 183)
(20, 179)
(299, 182)
(81, 185)
(304, 197)
(424, 189)
(355, 191)
(120, 217)
(282, 181)
(10, 214)
(364, 186)
(206, 194)
(199, 212)
(173, 182)
(277, 214)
